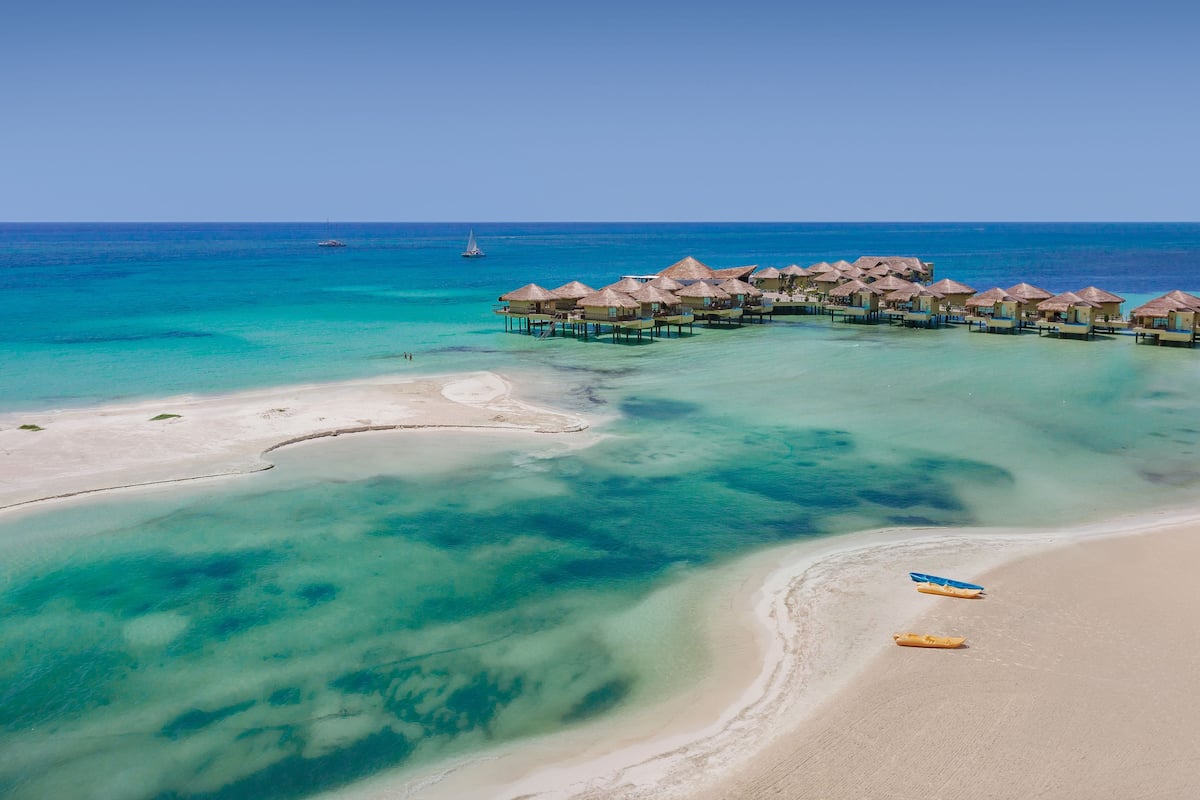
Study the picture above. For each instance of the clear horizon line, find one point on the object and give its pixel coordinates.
(609, 222)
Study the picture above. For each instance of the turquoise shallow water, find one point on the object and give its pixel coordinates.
(386, 601)
(94, 312)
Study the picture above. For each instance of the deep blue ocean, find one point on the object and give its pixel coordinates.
(377, 605)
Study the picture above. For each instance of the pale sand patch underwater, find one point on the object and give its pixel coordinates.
(818, 681)
(118, 446)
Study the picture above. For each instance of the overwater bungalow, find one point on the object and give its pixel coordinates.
(954, 296)
(871, 287)
(993, 310)
(1067, 314)
(981, 302)
(1173, 317)
(528, 305)
(824, 282)
(615, 309)
(569, 294)
(1028, 296)
(710, 302)
(1109, 314)
(769, 279)
(792, 295)
(854, 300)
(901, 266)
(915, 307)
(665, 308)
(752, 299)
(688, 269)
(793, 278)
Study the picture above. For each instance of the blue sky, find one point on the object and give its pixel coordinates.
(472, 111)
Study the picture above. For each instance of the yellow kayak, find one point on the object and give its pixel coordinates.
(924, 640)
(948, 591)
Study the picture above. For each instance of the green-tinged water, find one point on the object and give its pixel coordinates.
(388, 600)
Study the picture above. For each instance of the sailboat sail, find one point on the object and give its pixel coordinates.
(472, 250)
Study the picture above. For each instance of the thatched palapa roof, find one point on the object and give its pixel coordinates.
(854, 286)
(626, 285)
(1099, 295)
(607, 298)
(737, 273)
(1027, 292)
(821, 266)
(891, 283)
(701, 289)
(770, 273)
(1158, 307)
(833, 276)
(663, 282)
(1061, 302)
(653, 294)
(842, 265)
(896, 264)
(1184, 297)
(734, 286)
(796, 270)
(989, 298)
(1164, 305)
(530, 292)
(573, 291)
(904, 295)
(688, 269)
(947, 286)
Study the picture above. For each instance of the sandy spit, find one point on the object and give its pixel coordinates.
(102, 448)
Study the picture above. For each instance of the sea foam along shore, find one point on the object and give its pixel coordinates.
(822, 613)
(84, 450)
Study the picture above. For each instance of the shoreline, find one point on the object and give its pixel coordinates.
(803, 649)
(785, 646)
(217, 436)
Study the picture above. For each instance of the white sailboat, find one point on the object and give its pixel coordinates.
(330, 242)
(472, 250)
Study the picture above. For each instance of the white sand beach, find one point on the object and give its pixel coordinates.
(100, 448)
(1077, 682)
(1074, 681)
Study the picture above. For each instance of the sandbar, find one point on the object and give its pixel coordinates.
(102, 448)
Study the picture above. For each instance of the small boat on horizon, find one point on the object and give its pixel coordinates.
(925, 640)
(473, 250)
(331, 243)
(948, 591)
(921, 577)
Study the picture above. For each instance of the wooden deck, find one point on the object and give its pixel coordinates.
(994, 324)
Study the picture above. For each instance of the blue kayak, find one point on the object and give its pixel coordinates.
(921, 577)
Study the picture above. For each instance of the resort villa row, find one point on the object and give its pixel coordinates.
(893, 289)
